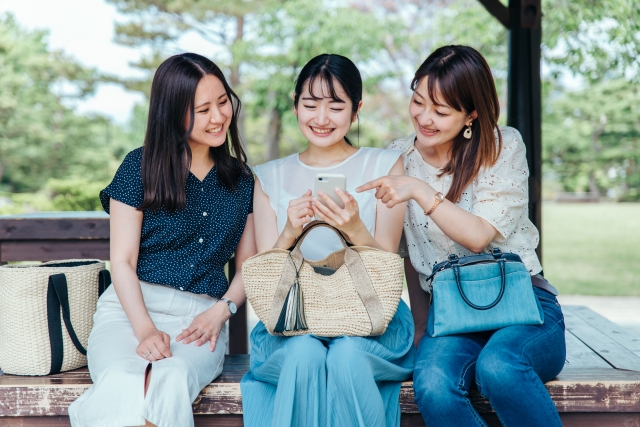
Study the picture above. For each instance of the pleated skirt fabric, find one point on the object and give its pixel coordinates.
(116, 398)
(328, 382)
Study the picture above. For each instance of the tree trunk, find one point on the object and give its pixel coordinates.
(273, 134)
(234, 78)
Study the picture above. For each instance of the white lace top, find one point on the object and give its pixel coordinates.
(286, 179)
(499, 195)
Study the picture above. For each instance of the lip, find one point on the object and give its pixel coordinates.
(321, 134)
(427, 132)
(218, 133)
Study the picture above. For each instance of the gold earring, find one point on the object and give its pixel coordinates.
(467, 133)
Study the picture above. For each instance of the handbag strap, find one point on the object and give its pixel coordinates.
(58, 298)
(315, 224)
(104, 280)
(503, 278)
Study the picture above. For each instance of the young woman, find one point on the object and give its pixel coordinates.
(308, 380)
(466, 185)
(180, 207)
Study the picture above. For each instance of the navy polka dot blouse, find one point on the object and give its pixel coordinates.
(187, 249)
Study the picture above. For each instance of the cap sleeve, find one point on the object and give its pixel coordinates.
(501, 195)
(267, 174)
(126, 186)
(385, 161)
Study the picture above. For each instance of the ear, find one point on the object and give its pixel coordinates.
(295, 109)
(355, 115)
(472, 116)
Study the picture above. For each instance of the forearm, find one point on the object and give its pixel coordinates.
(127, 287)
(236, 290)
(461, 226)
(362, 237)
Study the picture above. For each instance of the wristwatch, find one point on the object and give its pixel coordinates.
(232, 305)
(439, 199)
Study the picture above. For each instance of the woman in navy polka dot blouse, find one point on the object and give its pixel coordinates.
(180, 207)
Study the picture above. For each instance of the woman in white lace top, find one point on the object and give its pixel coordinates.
(466, 187)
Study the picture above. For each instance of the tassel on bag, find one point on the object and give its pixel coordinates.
(292, 316)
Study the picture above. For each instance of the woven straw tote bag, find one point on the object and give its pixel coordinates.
(354, 291)
(46, 314)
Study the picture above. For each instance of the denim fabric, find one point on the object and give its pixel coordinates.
(509, 367)
(481, 283)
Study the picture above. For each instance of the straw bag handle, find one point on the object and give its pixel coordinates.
(57, 299)
(315, 224)
(356, 268)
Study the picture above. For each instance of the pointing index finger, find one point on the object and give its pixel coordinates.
(370, 185)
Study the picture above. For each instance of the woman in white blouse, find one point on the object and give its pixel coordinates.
(466, 187)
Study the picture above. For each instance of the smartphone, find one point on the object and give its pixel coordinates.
(327, 183)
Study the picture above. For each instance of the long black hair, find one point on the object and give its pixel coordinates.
(330, 67)
(166, 156)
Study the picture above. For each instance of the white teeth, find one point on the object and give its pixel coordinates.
(215, 130)
(319, 130)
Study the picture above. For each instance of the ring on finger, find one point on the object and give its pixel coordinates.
(147, 354)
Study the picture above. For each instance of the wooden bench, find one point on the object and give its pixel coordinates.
(599, 385)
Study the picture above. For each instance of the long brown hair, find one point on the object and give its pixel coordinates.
(462, 78)
(166, 156)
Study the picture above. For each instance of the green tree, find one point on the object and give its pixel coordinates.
(592, 138)
(40, 137)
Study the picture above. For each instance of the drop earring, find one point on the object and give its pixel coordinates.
(467, 132)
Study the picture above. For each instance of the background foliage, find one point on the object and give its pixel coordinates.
(51, 157)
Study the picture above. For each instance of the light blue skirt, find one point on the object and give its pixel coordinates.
(328, 382)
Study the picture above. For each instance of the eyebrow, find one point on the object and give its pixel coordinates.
(202, 105)
(436, 103)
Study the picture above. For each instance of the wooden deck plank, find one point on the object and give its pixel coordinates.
(607, 327)
(48, 250)
(606, 347)
(579, 355)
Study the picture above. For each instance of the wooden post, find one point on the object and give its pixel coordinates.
(237, 324)
(524, 106)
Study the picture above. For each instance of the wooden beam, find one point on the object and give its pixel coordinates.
(48, 250)
(524, 104)
(498, 10)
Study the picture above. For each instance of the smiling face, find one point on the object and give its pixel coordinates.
(324, 121)
(436, 123)
(212, 113)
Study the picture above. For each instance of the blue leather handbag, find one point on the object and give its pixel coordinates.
(481, 293)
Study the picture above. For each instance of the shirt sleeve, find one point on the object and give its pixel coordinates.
(126, 186)
(501, 194)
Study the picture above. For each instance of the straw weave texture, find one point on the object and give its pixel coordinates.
(331, 303)
(24, 332)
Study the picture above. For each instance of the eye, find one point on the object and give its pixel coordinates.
(440, 114)
(310, 107)
(337, 109)
(206, 110)
(416, 102)
(224, 102)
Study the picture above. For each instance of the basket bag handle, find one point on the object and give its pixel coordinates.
(57, 299)
(357, 271)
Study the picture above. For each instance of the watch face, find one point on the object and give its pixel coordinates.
(232, 307)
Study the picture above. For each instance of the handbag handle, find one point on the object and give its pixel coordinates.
(316, 224)
(503, 278)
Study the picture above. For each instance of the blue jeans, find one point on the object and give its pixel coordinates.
(509, 366)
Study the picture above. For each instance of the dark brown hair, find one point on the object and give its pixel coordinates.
(462, 79)
(166, 156)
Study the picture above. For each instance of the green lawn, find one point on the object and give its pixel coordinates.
(592, 249)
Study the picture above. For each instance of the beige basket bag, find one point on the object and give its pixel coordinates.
(46, 314)
(354, 291)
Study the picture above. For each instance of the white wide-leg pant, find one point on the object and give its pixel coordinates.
(116, 398)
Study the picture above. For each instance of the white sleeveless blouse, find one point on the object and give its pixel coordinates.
(288, 178)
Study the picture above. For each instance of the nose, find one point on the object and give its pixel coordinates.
(216, 117)
(425, 117)
(322, 118)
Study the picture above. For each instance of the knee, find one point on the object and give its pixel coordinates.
(344, 359)
(305, 351)
(433, 387)
(497, 370)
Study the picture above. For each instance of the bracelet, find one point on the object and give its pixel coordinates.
(439, 199)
